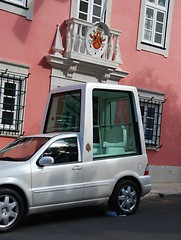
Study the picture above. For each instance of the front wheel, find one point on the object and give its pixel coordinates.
(125, 198)
(11, 209)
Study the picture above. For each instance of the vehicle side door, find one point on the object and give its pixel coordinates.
(61, 182)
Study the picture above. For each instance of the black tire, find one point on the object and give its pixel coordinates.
(11, 209)
(125, 198)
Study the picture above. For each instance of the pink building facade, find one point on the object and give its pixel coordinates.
(43, 47)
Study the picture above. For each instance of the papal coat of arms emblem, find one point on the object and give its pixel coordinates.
(96, 39)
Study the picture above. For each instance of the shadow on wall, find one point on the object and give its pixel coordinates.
(22, 27)
(171, 119)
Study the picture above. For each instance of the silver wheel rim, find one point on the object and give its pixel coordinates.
(8, 210)
(127, 198)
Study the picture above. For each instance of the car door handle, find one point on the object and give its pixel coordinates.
(77, 167)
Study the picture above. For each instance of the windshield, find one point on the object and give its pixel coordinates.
(22, 149)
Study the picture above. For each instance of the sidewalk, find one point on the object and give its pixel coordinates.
(161, 189)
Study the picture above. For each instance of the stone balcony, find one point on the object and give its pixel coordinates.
(73, 61)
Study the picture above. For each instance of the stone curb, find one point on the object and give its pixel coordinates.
(161, 194)
(164, 189)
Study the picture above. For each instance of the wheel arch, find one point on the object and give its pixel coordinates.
(133, 179)
(19, 191)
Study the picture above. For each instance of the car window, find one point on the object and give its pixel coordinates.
(63, 150)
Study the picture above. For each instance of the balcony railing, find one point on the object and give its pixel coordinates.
(72, 59)
(75, 41)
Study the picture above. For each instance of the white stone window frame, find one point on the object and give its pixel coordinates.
(23, 8)
(74, 13)
(152, 47)
(153, 99)
(18, 72)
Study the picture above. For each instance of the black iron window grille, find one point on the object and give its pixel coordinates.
(12, 103)
(151, 112)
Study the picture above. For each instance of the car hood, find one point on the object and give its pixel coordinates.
(8, 168)
(4, 164)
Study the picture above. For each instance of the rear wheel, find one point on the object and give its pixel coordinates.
(11, 209)
(125, 198)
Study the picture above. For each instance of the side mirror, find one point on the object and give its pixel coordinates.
(46, 161)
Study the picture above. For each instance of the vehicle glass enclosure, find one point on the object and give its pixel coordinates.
(114, 120)
(64, 112)
(115, 131)
(22, 149)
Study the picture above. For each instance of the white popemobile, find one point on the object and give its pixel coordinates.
(91, 152)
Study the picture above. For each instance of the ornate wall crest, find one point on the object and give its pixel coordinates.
(97, 38)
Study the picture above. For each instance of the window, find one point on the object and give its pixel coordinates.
(63, 150)
(18, 2)
(155, 24)
(114, 124)
(20, 7)
(92, 10)
(12, 101)
(151, 112)
(64, 112)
